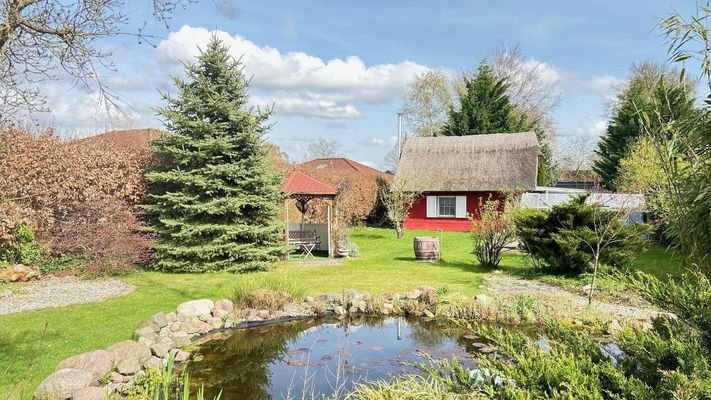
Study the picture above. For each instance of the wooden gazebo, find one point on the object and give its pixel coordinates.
(302, 189)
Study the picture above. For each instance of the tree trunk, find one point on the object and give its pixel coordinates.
(592, 285)
(399, 230)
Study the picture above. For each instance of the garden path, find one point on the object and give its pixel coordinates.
(59, 292)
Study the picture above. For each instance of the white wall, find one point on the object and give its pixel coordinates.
(321, 231)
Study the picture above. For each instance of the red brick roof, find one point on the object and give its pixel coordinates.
(300, 183)
(129, 138)
(339, 165)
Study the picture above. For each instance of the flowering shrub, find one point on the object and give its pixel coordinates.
(492, 230)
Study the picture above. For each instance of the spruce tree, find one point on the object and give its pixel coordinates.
(650, 85)
(214, 197)
(484, 107)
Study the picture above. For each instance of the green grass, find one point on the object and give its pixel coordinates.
(656, 261)
(28, 352)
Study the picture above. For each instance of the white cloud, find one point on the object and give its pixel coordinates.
(593, 129)
(604, 84)
(300, 83)
(376, 142)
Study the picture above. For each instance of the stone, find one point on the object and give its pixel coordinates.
(224, 305)
(18, 273)
(145, 332)
(145, 342)
(428, 313)
(161, 349)
(414, 294)
(278, 314)
(577, 322)
(61, 384)
(159, 319)
(291, 309)
(613, 327)
(117, 378)
(129, 365)
(263, 314)
(97, 362)
(339, 310)
(330, 297)
(391, 296)
(174, 326)
(353, 294)
(428, 295)
(130, 349)
(482, 299)
(204, 317)
(215, 323)
(171, 317)
(358, 306)
(195, 308)
(205, 327)
(181, 356)
(164, 332)
(217, 313)
(154, 363)
(229, 323)
(148, 324)
(181, 339)
(90, 393)
(189, 327)
(309, 299)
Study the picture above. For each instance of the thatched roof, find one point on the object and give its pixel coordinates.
(495, 162)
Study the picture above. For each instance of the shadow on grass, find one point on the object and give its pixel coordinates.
(443, 263)
(21, 353)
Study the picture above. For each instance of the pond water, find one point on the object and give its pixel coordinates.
(322, 356)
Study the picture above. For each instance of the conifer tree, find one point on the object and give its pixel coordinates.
(484, 107)
(214, 195)
(649, 86)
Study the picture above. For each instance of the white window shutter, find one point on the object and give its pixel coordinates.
(431, 206)
(461, 210)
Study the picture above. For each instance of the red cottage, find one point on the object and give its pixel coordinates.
(454, 173)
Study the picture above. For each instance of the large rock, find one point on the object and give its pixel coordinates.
(145, 332)
(130, 349)
(90, 393)
(18, 273)
(224, 305)
(98, 362)
(292, 309)
(61, 384)
(129, 366)
(159, 319)
(413, 294)
(196, 308)
(161, 349)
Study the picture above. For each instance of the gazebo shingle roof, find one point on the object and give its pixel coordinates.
(300, 183)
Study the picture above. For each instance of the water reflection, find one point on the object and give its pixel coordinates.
(320, 357)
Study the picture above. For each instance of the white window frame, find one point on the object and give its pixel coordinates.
(454, 206)
(433, 206)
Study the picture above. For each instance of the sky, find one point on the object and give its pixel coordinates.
(338, 70)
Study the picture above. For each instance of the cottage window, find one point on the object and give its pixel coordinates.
(446, 206)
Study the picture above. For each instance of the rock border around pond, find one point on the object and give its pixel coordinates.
(112, 371)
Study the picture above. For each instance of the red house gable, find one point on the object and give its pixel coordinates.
(455, 174)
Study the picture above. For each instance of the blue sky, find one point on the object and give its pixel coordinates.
(338, 70)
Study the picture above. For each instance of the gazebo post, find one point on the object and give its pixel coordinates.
(286, 236)
(328, 229)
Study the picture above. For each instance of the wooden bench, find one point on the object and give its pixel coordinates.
(306, 241)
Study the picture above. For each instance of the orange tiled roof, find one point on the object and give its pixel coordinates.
(300, 183)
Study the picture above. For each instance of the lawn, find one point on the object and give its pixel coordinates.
(31, 344)
(29, 351)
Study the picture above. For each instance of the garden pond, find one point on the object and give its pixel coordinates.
(315, 357)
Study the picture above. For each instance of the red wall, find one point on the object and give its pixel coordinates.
(418, 214)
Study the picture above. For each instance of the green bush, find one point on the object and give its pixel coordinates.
(21, 247)
(554, 237)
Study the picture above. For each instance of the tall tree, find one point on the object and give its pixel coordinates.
(484, 107)
(426, 103)
(323, 148)
(650, 85)
(214, 196)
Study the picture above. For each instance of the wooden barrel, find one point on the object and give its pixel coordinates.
(426, 248)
